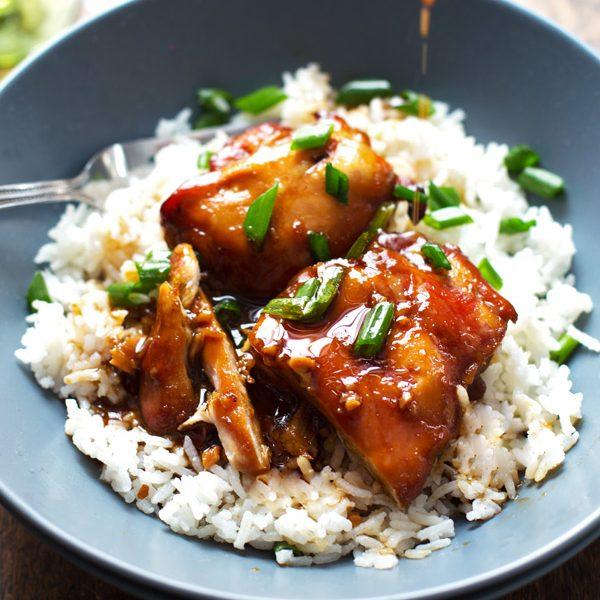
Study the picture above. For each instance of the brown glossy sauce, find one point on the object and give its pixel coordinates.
(209, 211)
(398, 409)
(424, 28)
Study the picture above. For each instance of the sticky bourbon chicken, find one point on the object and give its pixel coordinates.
(384, 347)
(394, 399)
(209, 211)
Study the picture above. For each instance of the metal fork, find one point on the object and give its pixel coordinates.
(112, 166)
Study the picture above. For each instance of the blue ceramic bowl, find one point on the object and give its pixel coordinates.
(518, 77)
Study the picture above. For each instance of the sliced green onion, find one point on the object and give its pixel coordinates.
(360, 245)
(519, 157)
(442, 197)
(362, 91)
(405, 193)
(567, 345)
(308, 289)
(258, 218)
(416, 105)
(435, 256)
(319, 246)
(119, 293)
(214, 100)
(228, 311)
(154, 269)
(286, 308)
(337, 183)
(541, 182)
(513, 225)
(284, 546)
(490, 274)
(330, 279)
(311, 136)
(260, 100)
(444, 218)
(204, 160)
(374, 330)
(293, 308)
(312, 298)
(210, 119)
(378, 222)
(37, 290)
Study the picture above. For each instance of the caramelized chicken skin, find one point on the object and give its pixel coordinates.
(208, 212)
(398, 410)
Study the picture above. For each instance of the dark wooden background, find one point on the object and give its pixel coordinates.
(30, 569)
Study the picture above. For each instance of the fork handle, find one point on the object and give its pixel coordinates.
(58, 190)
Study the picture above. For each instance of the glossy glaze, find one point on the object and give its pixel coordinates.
(399, 409)
(208, 212)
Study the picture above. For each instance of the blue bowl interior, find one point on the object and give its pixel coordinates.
(519, 79)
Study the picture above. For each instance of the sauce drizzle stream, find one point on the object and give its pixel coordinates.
(424, 26)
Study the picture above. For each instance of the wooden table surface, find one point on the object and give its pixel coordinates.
(30, 569)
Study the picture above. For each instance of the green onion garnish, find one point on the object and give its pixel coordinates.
(378, 222)
(337, 183)
(204, 160)
(567, 345)
(284, 546)
(228, 311)
(417, 105)
(513, 225)
(362, 91)
(308, 289)
(312, 298)
(214, 100)
(152, 271)
(119, 293)
(442, 197)
(210, 119)
(490, 274)
(405, 193)
(444, 218)
(374, 330)
(37, 290)
(319, 246)
(330, 279)
(435, 256)
(260, 100)
(519, 157)
(311, 136)
(258, 217)
(541, 182)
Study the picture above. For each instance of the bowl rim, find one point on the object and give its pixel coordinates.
(489, 584)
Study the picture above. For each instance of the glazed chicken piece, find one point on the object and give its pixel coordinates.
(167, 395)
(229, 406)
(399, 409)
(185, 328)
(208, 212)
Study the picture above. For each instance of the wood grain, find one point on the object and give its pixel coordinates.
(30, 569)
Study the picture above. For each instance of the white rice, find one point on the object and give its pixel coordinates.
(520, 430)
